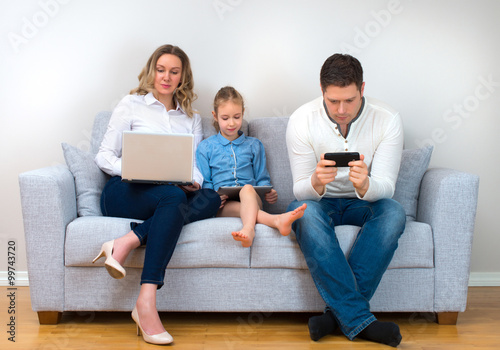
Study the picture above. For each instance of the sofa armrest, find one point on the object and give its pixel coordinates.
(448, 203)
(48, 202)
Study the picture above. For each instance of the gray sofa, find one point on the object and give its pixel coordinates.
(209, 270)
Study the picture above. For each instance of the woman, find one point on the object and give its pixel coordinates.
(161, 103)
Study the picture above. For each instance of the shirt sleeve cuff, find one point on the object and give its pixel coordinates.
(306, 191)
(198, 177)
(117, 167)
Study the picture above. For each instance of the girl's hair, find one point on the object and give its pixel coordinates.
(227, 93)
(184, 93)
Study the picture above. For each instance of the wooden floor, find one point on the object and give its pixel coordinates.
(477, 328)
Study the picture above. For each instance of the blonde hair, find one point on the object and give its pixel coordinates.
(227, 93)
(184, 93)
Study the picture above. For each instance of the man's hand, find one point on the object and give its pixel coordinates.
(358, 175)
(326, 171)
(271, 197)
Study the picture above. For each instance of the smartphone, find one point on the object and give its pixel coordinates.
(342, 158)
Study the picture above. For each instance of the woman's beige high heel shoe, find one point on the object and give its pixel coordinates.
(158, 339)
(114, 268)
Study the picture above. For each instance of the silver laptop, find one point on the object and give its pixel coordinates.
(157, 158)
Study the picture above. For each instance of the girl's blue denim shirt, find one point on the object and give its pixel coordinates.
(232, 163)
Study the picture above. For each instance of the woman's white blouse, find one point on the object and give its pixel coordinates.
(144, 113)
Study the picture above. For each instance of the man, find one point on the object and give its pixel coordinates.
(339, 121)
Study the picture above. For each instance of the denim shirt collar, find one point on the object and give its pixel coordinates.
(226, 142)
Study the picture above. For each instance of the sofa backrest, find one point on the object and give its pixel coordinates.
(101, 122)
(272, 133)
(99, 128)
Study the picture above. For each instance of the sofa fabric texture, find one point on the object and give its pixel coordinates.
(61, 213)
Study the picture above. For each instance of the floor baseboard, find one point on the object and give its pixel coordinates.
(19, 279)
(484, 279)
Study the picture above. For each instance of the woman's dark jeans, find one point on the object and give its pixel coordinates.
(165, 209)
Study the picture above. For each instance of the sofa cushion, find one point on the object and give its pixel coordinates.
(89, 180)
(209, 243)
(206, 243)
(414, 163)
(271, 250)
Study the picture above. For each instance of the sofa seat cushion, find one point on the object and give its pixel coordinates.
(271, 250)
(206, 243)
(209, 243)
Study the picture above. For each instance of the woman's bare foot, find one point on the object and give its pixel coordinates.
(284, 221)
(245, 236)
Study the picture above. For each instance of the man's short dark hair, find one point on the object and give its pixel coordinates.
(341, 70)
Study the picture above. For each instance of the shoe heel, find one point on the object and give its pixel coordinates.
(115, 269)
(101, 254)
(139, 333)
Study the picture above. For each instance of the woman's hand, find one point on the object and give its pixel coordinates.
(271, 197)
(191, 188)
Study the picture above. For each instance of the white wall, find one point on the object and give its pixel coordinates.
(435, 61)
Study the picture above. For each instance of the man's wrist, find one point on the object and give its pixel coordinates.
(362, 190)
(317, 185)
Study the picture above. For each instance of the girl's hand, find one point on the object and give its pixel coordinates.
(271, 197)
(223, 199)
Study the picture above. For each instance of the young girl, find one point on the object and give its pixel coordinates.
(232, 159)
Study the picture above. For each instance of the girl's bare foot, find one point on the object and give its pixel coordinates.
(245, 236)
(284, 221)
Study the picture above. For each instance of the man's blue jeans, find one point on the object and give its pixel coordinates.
(347, 283)
(164, 209)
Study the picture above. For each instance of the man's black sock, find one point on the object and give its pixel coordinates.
(322, 325)
(382, 332)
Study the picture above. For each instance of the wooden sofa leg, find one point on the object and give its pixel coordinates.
(447, 318)
(49, 317)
